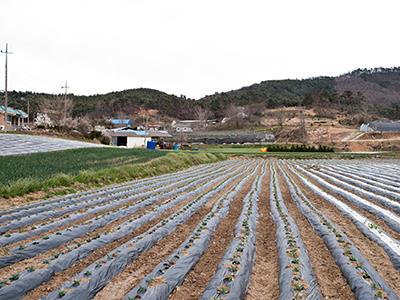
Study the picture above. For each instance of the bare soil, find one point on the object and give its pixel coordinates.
(197, 279)
(146, 262)
(330, 280)
(59, 278)
(369, 249)
(361, 211)
(264, 281)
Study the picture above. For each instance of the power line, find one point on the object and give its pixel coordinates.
(65, 87)
(5, 86)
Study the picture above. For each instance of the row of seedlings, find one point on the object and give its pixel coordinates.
(380, 172)
(50, 241)
(366, 226)
(367, 183)
(365, 173)
(18, 222)
(233, 273)
(170, 273)
(124, 204)
(93, 278)
(364, 280)
(296, 277)
(87, 197)
(390, 218)
(366, 190)
(22, 282)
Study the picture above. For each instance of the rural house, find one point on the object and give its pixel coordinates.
(16, 117)
(134, 138)
(118, 123)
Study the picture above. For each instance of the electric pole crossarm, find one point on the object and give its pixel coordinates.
(65, 87)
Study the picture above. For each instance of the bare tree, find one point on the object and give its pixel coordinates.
(302, 128)
(279, 116)
(58, 110)
(202, 115)
(235, 116)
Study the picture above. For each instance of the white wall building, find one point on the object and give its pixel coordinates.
(130, 138)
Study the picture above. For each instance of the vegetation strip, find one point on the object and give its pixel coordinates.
(391, 219)
(233, 273)
(354, 186)
(296, 277)
(86, 195)
(29, 280)
(264, 283)
(53, 240)
(122, 204)
(166, 164)
(96, 275)
(368, 184)
(367, 227)
(71, 205)
(170, 273)
(364, 281)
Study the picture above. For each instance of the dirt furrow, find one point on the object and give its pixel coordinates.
(124, 282)
(197, 279)
(264, 281)
(374, 218)
(59, 278)
(83, 220)
(37, 261)
(330, 279)
(370, 250)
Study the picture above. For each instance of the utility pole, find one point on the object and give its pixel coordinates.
(145, 129)
(65, 87)
(5, 87)
(23, 99)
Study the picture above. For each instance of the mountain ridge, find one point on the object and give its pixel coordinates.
(375, 90)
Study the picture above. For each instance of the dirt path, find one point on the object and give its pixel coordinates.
(197, 279)
(330, 280)
(131, 276)
(369, 249)
(264, 281)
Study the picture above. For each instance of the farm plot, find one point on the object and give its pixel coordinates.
(13, 144)
(238, 229)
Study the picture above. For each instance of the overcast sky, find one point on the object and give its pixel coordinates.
(191, 47)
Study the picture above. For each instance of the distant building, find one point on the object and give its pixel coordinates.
(381, 126)
(133, 138)
(190, 125)
(15, 117)
(117, 123)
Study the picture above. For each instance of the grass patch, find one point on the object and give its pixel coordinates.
(50, 179)
(39, 166)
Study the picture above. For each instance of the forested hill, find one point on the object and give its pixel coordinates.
(114, 104)
(374, 90)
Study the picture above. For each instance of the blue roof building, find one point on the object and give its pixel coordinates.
(121, 122)
(16, 117)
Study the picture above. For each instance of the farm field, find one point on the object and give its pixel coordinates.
(14, 144)
(236, 229)
(70, 162)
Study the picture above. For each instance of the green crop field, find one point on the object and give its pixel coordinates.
(70, 162)
(61, 172)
